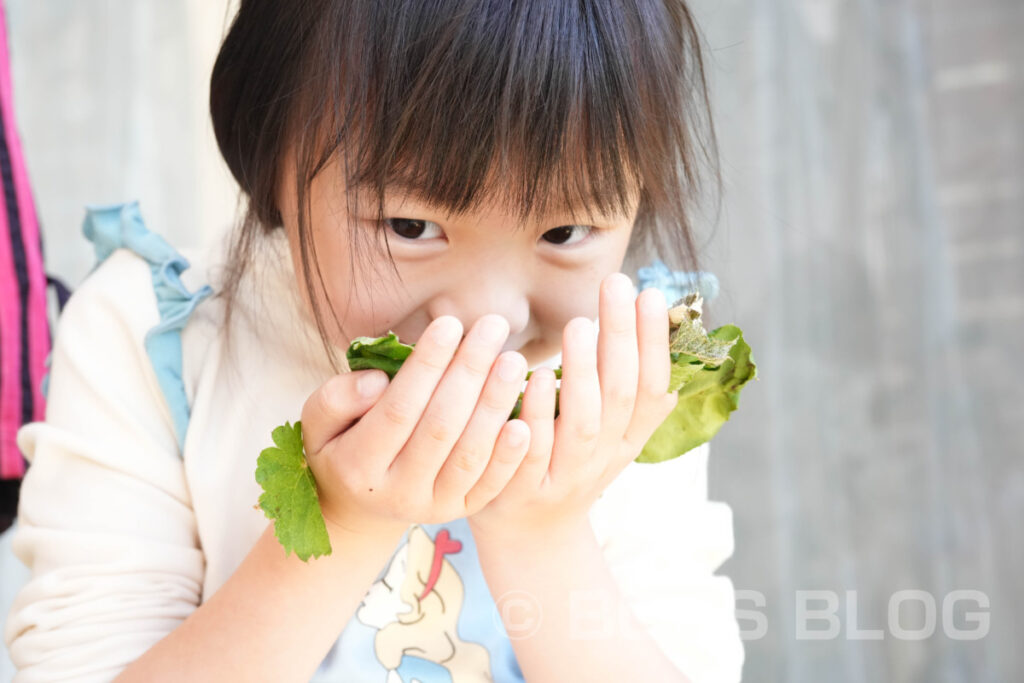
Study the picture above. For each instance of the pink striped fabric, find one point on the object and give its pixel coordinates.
(24, 326)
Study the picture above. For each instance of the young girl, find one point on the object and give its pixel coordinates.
(472, 176)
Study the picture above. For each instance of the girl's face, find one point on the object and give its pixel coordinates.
(538, 274)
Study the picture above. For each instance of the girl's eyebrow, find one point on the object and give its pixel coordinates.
(400, 187)
(555, 212)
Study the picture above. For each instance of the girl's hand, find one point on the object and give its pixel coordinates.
(434, 445)
(611, 401)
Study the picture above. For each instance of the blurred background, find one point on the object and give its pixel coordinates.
(870, 243)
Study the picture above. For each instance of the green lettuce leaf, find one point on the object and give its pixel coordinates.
(707, 395)
(289, 495)
(381, 353)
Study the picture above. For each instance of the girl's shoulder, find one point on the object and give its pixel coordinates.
(139, 269)
(169, 302)
(138, 296)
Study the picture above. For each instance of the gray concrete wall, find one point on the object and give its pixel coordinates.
(871, 247)
(111, 98)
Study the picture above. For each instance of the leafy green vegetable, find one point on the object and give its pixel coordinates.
(708, 372)
(289, 495)
(707, 394)
(382, 353)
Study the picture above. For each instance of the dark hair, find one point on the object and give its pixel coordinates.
(589, 99)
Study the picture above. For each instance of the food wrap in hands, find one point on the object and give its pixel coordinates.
(709, 369)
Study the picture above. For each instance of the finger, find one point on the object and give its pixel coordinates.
(337, 404)
(617, 362)
(479, 442)
(654, 402)
(390, 422)
(453, 402)
(579, 421)
(509, 451)
(538, 412)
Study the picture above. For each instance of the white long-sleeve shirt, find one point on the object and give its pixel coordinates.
(126, 533)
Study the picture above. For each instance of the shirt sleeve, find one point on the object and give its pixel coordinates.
(105, 521)
(663, 540)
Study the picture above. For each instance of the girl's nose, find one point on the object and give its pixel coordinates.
(505, 299)
(512, 343)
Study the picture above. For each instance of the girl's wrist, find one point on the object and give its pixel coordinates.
(531, 538)
(363, 528)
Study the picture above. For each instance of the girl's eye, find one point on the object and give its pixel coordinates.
(564, 235)
(412, 229)
(415, 230)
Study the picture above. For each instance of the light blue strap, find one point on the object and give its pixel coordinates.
(675, 284)
(44, 385)
(120, 226)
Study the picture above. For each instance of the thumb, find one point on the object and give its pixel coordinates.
(338, 404)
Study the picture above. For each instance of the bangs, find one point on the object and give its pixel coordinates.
(540, 107)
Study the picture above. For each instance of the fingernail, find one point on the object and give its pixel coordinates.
(509, 368)
(516, 437)
(493, 329)
(584, 332)
(620, 288)
(655, 301)
(446, 330)
(371, 384)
